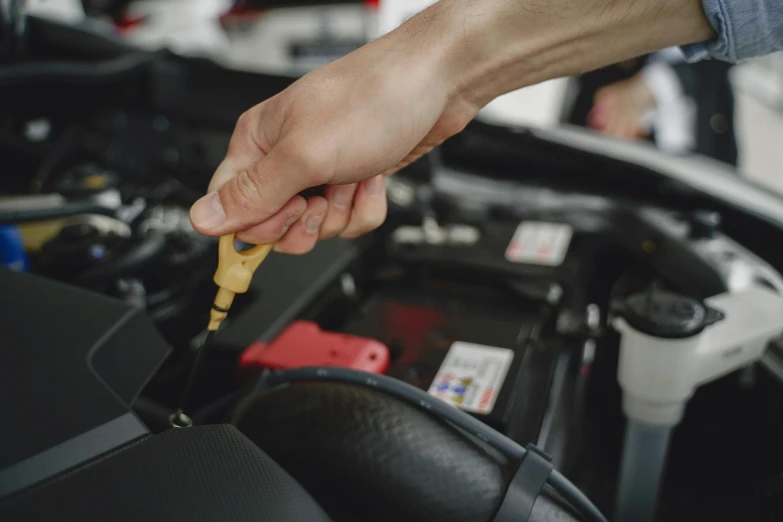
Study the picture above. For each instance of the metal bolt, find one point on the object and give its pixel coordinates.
(178, 419)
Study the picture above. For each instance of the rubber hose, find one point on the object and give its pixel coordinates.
(43, 214)
(368, 456)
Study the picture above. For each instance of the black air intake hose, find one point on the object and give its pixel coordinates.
(366, 456)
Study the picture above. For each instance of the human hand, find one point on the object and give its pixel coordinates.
(383, 106)
(347, 126)
(619, 109)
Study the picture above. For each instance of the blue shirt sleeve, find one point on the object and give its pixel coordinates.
(745, 29)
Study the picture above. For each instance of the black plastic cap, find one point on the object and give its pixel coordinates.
(666, 315)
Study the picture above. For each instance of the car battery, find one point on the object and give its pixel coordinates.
(536, 254)
(475, 351)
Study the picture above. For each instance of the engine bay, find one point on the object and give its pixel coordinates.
(492, 286)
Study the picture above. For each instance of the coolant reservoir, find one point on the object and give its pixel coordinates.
(660, 340)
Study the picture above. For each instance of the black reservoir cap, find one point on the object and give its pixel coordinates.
(666, 314)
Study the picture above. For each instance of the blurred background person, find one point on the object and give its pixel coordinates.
(681, 107)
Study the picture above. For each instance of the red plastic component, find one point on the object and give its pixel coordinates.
(303, 343)
(128, 23)
(241, 14)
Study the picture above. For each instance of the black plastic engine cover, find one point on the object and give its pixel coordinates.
(206, 473)
(71, 362)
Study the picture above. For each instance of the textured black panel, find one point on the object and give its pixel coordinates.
(44, 364)
(209, 473)
(70, 361)
(365, 456)
(358, 450)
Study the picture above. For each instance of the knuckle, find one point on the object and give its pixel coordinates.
(313, 164)
(311, 161)
(246, 191)
(364, 224)
(320, 177)
(258, 237)
(243, 122)
(244, 131)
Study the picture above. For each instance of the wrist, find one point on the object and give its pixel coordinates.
(485, 48)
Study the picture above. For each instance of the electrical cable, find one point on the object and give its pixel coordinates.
(458, 418)
(10, 217)
(575, 496)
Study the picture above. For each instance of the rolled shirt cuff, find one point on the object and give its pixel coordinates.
(745, 29)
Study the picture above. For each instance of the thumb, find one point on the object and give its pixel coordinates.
(242, 198)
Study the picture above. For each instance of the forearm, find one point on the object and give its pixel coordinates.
(489, 47)
(376, 110)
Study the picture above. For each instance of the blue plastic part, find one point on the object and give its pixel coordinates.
(12, 251)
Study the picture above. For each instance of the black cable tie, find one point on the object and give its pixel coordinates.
(525, 487)
(220, 309)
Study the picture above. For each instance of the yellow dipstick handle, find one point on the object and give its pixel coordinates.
(233, 275)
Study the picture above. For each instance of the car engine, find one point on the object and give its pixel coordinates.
(607, 320)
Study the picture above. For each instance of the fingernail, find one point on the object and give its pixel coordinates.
(207, 212)
(313, 223)
(342, 195)
(373, 186)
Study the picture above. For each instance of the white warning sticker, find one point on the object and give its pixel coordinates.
(471, 376)
(540, 243)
